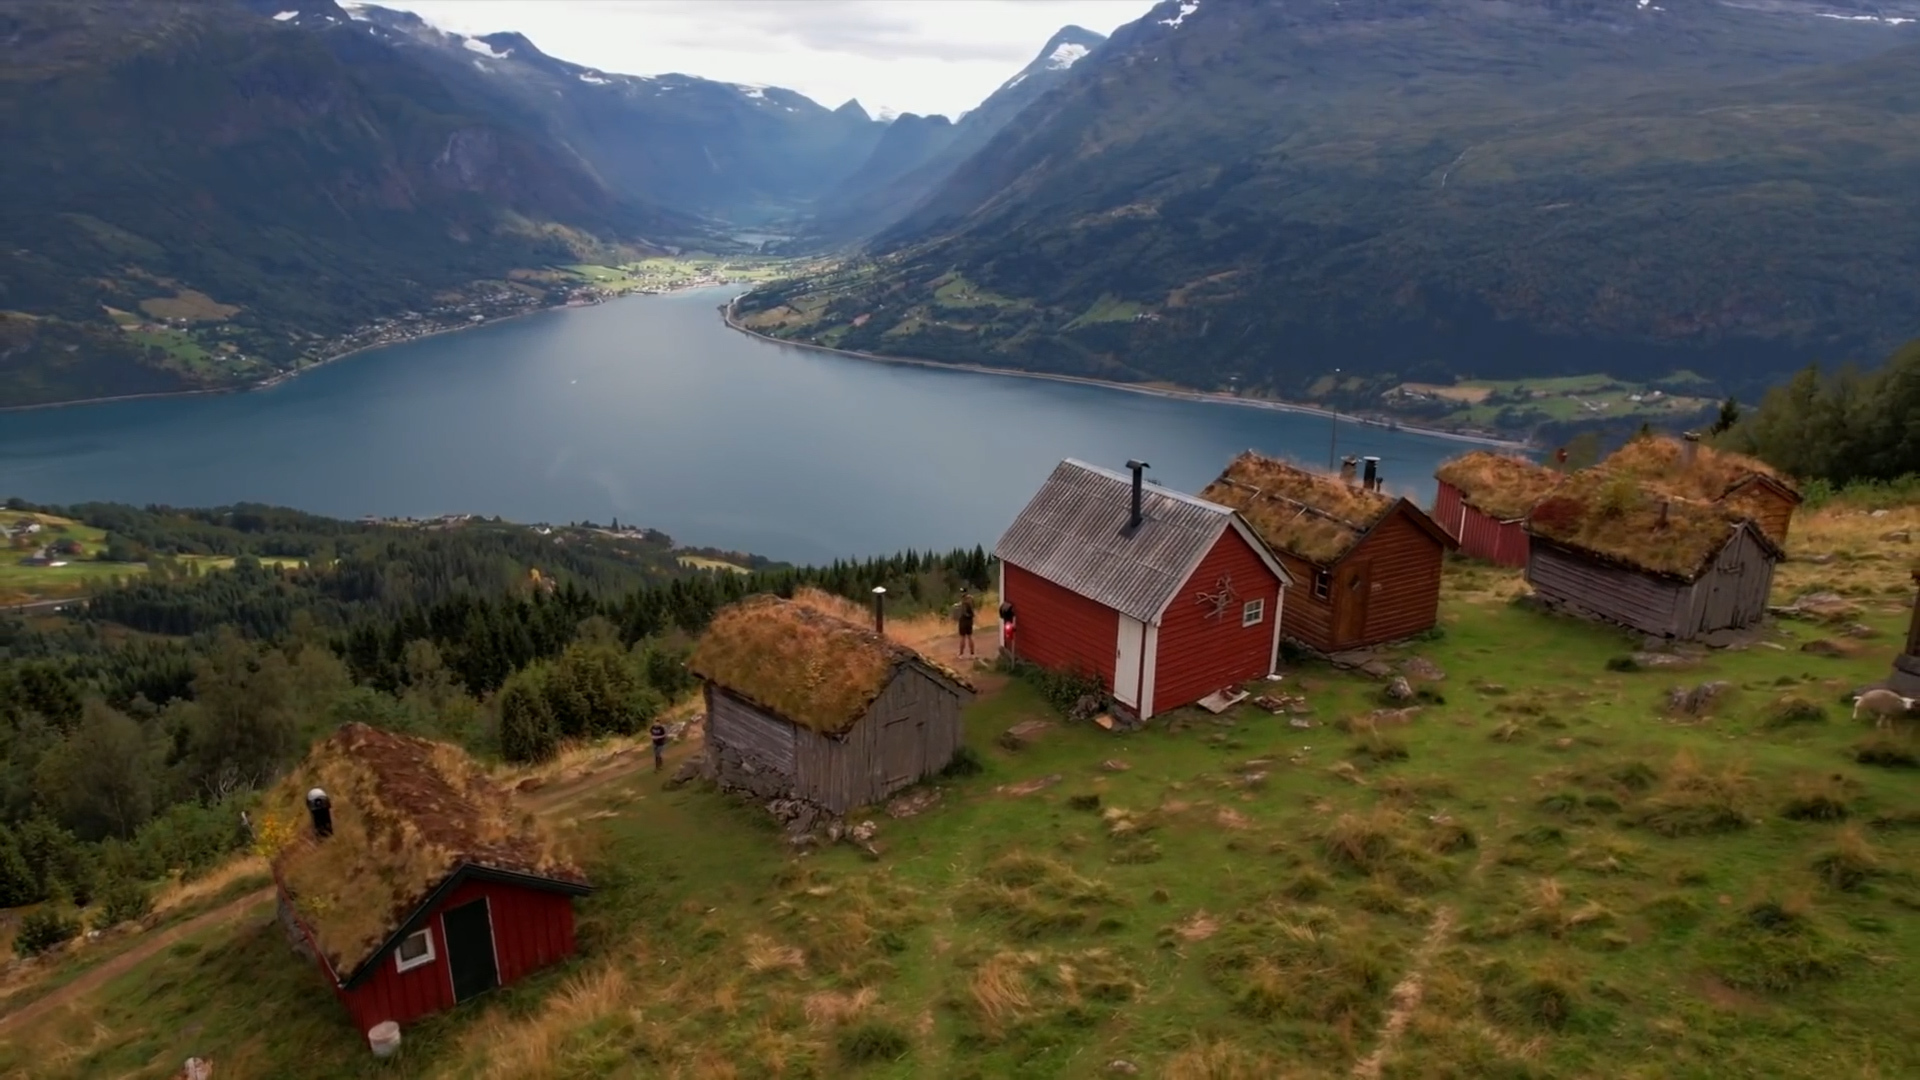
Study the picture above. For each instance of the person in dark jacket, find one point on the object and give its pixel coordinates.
(963, 614)
(659, 733)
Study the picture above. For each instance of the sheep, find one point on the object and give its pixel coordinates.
(1884, 705)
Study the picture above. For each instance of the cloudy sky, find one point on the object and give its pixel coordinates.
(924, 56)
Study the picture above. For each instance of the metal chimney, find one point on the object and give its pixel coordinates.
(1138, 467)
(321, 808)
(1371, 478)
(1349, 470)
(1689, 449)
(879, 609)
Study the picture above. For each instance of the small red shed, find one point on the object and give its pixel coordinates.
(1164, 596)
(1368, 563)
(428, 887)
(1482, 502)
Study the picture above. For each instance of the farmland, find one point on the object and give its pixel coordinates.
(1544, 870)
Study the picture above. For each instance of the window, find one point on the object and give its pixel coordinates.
(1322, 584)
(415, 949)
(1252, 612)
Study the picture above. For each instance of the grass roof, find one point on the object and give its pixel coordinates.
(1307, 514)
(1615, 517)
(1500, 485)
(813, 668)
(1655, 463)
(407, 813)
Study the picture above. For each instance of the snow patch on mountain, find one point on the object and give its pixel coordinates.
(1064, 57)
(285, 15)
(484, 49)
(1186, 9)
(594, 80)
(355, 10)
(1890, 20)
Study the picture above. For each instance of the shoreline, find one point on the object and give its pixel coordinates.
(1201, 396)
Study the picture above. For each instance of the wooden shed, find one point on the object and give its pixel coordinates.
(1368, 563)
(1604, 547)
(1482, 502)
(1906, 667)
(1164, 597)
(806, 705)
(1685, 469)
(433, 885)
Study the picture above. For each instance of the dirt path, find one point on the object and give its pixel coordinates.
(544, 801)
(1406, 997)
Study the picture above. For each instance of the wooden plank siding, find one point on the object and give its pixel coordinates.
(1732, 593)
(909, 733)
(1447, 504)
(766, 740)
(1591, 589)
(1774, 511)
(1196, 655)
(1059, 628)
(1404, 576)
(1484, 537)
(532, 929)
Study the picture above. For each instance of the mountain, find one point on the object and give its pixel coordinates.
(201, 192)
(1237, 194)
(910, 163)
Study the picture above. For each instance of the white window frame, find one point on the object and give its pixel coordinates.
(1323, 584)
(401, 963)
(1253, 612)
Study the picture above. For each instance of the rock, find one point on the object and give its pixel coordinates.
(1695, 700)
(805, 817)
(1827, 606)
(689, 769)
(1898, 536)
(1393, 716)
(1821, 559)
(1115, 765)
(1024, 734)
(836, 831)
(864, 832)
(1399, 689)
(1419, 667)
(913, 802)
(1300, 722)
(531, 783)
(1028, 787)
(196, 1068)
(1086, 708)
(1822, 647)
(1123, 1067)
(1491, 689)
(1859, 630)
(1662, 660)
(803, 842)
(1378, 669)
(1878, 514)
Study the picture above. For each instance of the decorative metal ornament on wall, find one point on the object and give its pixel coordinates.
(1220, 600)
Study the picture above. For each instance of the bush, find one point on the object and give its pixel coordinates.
(123, 900)
(527, 729)
(1623, 663)
(966, 762)
(1794, 709)
(42, 930)
(872, 1040)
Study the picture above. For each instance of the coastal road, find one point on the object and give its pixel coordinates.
(48, 606)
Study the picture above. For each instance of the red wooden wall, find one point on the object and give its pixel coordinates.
(1404, 569)
(532, 928)
(1503, 543)
(1060, 629)
(1446, 508)
(1198, 655)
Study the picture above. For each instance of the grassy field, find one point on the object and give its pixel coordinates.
(665, 272)
(1545, 871)
(1480, 402)
(20, 583)
(701, 562)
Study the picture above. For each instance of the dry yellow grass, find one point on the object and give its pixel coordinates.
(407, 813)
(1656, 464)
(802, 660)
(1854, 556)
(177, 894)
(530, 1047)
(1499, 485)
(189, 304)
(1618, 519)
(1308, 514)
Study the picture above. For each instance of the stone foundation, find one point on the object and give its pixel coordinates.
(1905, 679)
(745, 774)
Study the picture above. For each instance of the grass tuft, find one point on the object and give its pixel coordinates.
(1794, 709)
(1851, 863)
(1886, 752)
(1278, 961)
(1776, 946)
(872, 1040)
(1694, 802)
(1034, 896)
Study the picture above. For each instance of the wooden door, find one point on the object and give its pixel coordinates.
(1352, 589)
(903, 745)
(1127, 657)
(468, 931)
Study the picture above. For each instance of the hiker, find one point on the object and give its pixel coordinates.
(965, 616)
(659, 733)
(1006, 625)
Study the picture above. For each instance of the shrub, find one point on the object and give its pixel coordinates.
(872, 1040)
(528, 732)
(123, 900)
(1824, 799)
(1794, 709)
(1622, 663)
(966, 762)
(42, 930)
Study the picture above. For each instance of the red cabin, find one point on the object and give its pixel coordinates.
(1164, 596)
(1483, 501)
(425, 886)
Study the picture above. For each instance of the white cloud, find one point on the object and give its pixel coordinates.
(923, 56)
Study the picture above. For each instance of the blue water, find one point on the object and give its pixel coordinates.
(651, 411)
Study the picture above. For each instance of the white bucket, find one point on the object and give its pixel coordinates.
(384, 1038)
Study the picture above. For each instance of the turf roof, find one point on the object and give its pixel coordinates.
(1499, 485)
(815, 669)
(1310, 515)
(1656, 463)
(407, 814)
(1616, 518)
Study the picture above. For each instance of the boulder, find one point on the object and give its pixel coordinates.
(913, 802)
(1823, 647)
(1114, 765)
(688, 770)
(1693, 701)
(1897, 536)
(1399, 689)
(1023, 734)
(1859, 630)
(1419, 667)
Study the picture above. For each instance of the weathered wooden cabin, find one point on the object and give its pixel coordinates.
(427, 886)
(1368, 563)
(1604, 547)
(1165, 597)
(1683, 468)
(1905, 679)
(805, 705)
(1482, 502)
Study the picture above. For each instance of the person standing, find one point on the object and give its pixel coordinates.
(964, 616)
(659, 733)
(1006, 625)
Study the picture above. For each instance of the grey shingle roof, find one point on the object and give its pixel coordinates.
(1074, 533)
